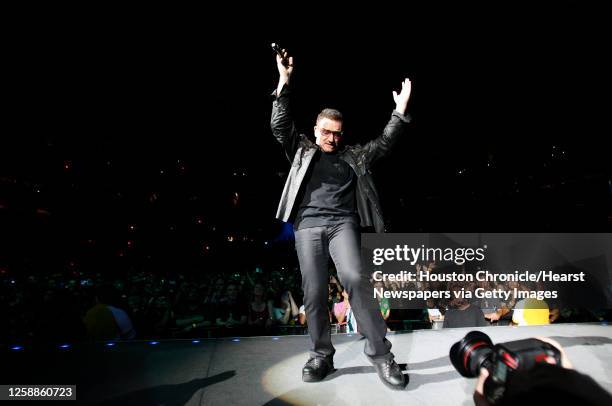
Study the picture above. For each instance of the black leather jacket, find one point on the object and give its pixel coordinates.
(300, 150)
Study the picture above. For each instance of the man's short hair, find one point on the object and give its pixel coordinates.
(331, 114)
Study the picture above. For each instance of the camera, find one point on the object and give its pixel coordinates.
(476, 350)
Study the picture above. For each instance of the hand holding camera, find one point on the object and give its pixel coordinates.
(475, 355)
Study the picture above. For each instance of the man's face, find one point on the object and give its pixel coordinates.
(232, 291)
(328, 134)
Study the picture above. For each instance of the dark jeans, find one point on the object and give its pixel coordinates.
(343, 242)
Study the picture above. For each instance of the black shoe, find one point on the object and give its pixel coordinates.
(391, 374)
(316, 369)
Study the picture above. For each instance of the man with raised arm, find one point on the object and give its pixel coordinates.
(329, 196)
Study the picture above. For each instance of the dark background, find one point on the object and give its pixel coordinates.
(155, 119)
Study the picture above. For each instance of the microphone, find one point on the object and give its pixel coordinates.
(279, 52)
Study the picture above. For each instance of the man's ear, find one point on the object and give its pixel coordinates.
(315, 135)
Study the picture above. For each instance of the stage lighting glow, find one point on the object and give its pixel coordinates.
(153, 342)
(292, 391)
(236, 340)
(195, 341)
(65, 346)
(17, 348)
(110, 344)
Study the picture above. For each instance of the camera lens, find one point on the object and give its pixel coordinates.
(471, 353)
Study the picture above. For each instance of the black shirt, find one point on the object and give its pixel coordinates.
(329, 195)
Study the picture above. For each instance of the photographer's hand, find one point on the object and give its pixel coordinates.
(479, 399)
(565, 362)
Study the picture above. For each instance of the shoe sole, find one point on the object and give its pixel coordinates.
(395, 387)
(308, 378)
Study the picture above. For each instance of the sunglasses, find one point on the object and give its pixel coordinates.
(326, 133)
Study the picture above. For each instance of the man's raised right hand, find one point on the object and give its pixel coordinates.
(285, 71)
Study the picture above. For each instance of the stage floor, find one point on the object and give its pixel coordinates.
(267, 370)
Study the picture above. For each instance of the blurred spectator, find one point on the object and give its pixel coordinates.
(530, 312)
(461, 313)
(259, 315)
(158, 317)
(189, 311)
(302, 315)
(99, 320)
(232, 310)
(342, 308)
(60, 306)
(283, 308)
(216, 293)
(344, 313)
(383, 302)
(503, 313)
(124, 324)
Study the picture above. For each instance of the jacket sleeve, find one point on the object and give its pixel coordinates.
(381, 146)
(282, 123)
